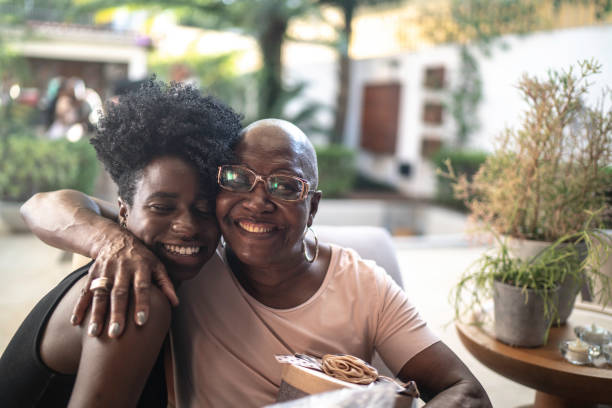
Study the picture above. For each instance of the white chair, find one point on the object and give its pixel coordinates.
(370, 243)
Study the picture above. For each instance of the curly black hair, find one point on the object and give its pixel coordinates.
(161, 119)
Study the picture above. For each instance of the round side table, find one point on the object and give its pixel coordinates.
(557, 382)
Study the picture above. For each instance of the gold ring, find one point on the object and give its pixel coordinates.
(100, 283)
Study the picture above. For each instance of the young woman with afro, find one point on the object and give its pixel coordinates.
(161, 145)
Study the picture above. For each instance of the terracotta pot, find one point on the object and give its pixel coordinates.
(519, 315)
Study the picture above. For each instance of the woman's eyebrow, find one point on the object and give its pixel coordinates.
(281, 170)
(162, 194)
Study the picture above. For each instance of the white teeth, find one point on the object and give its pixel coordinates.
(182, 250)
(254, 227)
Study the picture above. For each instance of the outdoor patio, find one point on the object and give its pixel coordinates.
(398, 97)
(430, 265)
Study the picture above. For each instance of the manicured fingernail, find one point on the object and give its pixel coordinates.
(113, 330)
(93, 329)
(73, 319)
(141, 318)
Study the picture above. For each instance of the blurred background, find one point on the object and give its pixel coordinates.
(386, 90)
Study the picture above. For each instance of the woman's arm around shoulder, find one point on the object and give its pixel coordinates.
(71, 220)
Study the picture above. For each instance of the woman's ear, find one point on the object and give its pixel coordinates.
(314, 206)
(123, 212)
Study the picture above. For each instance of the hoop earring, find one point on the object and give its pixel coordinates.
(305, 247)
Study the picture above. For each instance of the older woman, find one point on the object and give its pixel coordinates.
(161, 146)
(275, 289)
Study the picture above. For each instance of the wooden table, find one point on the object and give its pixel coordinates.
(557, 382)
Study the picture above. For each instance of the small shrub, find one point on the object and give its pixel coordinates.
(463, 162)
(366, 183)
(337, 171)
(88, 167)
(30, 165)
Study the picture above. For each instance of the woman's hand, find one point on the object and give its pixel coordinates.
(123, 259)
(70, 220)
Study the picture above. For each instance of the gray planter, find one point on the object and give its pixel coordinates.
(519, 316)
(570, 287)
(568, 290)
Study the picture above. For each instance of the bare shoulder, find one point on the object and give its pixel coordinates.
(158, 325)
(160, 310)
(122, 364)
(62, 343)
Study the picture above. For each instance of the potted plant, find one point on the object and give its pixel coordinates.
(599, 253)
(546, 182)
(525, 291)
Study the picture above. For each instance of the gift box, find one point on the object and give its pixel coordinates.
(304, 375)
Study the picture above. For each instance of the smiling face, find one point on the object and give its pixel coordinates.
(260, 229)
(170, 215)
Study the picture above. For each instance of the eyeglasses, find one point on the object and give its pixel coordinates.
(239, 179)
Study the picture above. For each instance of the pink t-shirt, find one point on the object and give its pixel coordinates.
(224, 341)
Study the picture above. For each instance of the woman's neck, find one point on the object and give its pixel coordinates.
(281, 286)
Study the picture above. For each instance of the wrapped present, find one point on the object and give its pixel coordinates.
(304, 375)
(378, 396)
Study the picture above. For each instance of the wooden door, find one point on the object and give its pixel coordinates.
(380, 117)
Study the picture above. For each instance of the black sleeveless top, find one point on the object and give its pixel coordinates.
(25, 380)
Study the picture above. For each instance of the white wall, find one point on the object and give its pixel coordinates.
(501, 105)
(535, 54)
(408, 69)
(132, 55)
(315, 65)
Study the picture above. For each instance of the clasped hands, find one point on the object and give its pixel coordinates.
(125, 262)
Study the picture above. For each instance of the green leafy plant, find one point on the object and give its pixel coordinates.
(466, 96)
(215, 74)
(31, 165)
(541, 273)
(88, 167)
(464, 162)
(337, 170)
(545, 181)
(366, 184)
(475, 287)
